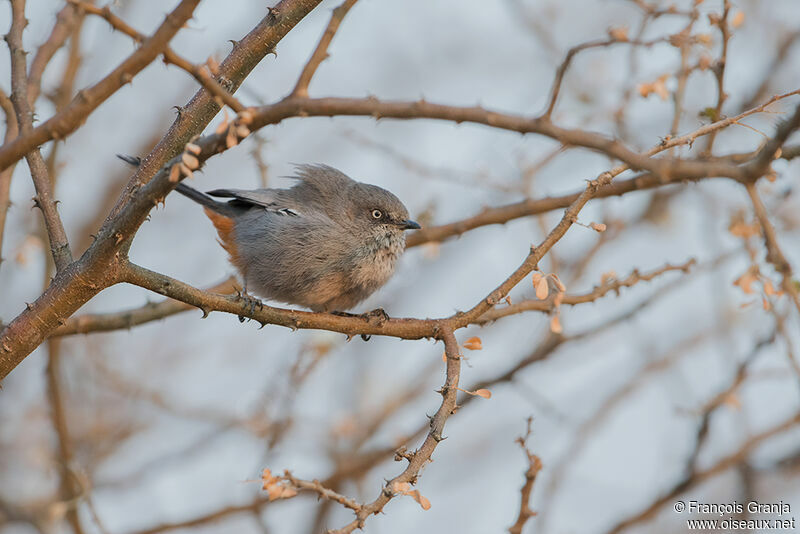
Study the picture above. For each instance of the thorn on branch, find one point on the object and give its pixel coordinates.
(403, 454)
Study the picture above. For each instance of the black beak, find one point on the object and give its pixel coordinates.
(408, 224)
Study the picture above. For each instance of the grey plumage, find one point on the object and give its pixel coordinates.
(326, 243)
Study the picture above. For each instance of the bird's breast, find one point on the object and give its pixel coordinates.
(376, 265)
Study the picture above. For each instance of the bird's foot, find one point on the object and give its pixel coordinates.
(378, 315)
(249, 303)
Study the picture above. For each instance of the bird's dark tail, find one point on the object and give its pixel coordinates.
(201, 198)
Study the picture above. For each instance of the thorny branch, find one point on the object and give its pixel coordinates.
(106, 263)
(534, 466)
(68, 120)
(198, 72)
(59, 246)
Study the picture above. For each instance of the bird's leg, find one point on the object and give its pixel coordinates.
(343, 314)
(249, 302)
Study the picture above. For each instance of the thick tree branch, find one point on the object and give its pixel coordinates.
(101, 264)
(152, 311)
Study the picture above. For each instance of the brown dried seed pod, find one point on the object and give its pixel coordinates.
(542, 289)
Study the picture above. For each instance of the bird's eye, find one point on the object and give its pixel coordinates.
(376, 214)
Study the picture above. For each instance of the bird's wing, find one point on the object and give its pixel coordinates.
(270, 199)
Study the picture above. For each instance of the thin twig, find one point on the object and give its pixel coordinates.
(320, 53)
(198, 72)
(774, 253)
(59, 245)
(534, 466)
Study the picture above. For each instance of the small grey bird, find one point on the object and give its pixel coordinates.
(326, 243)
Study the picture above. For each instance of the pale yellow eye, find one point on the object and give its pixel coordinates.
(376, 214)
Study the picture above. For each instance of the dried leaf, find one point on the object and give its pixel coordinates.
(769, 289)
(745, 282)
(274, 492)
(535, 277)
(738, 19)
(598, 227)
(542, 289)
(424, 502)
(659, 87)
(401, 487)
(287, 493)
(485, 393)
(619, 33)
(744, 230)
(555, 325)
(473, 343)
(704, 38)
